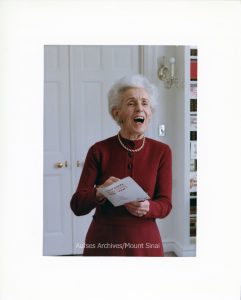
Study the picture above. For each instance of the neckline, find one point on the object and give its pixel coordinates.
(132, 144)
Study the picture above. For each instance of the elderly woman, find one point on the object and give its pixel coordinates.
(130, 229)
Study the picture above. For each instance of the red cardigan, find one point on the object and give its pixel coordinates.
(150, 168)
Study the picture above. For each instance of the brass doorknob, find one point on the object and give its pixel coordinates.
(59, 165)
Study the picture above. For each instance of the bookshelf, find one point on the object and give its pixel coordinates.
(192, 99)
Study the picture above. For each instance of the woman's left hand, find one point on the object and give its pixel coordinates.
(138, 208)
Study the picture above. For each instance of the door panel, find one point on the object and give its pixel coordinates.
(57, 218)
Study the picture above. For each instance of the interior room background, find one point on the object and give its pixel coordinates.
(76, 83)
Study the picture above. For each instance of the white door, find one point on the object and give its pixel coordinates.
(57, 227)
(75, 117)
(93, 70)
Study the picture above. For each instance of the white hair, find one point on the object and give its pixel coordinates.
(134, 81)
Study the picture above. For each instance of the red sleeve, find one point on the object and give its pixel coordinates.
(161, 205)
(84, 199)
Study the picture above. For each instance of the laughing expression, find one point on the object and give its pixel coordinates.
(134, 113)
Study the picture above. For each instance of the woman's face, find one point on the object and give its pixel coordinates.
(135, 111)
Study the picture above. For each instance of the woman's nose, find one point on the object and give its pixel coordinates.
(139, 107)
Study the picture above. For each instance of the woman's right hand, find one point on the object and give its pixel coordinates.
(108, 182)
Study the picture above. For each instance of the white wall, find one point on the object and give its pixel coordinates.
(172, 112)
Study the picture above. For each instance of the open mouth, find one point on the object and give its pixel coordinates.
(139, 120)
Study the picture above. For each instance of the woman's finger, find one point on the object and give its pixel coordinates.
(109, 181)
(114, 179)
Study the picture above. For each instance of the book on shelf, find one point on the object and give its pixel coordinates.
(193, 122)
(192, 232)
(193, 202)
(193, 150)
(193, 52)
(193, 105)
(193, 211)
(193, 165)
(193, 69)
(193, 135)
(193, 222)
(193, 182)
(193, 91)
(193, 226)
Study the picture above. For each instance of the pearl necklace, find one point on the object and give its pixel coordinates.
(128, 149)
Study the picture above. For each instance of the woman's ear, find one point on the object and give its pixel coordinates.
(115, 113)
